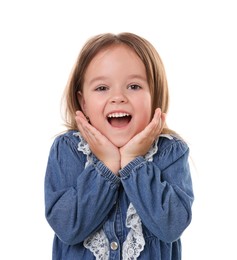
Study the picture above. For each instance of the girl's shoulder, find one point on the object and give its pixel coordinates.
(68, 145)
(171, 148)
(70, 135)
(168, 141)
(66, 139)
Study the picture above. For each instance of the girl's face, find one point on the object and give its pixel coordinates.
(116, 95)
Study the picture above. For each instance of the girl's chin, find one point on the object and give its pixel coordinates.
(119, 139)
(119, 143)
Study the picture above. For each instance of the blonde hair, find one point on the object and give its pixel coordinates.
(155, 71)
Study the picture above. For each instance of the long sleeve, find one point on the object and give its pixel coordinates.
(77, 199)
(161, 190)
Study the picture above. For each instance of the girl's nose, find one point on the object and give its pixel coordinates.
(118, 98)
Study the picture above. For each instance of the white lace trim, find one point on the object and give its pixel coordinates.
(98, 244)
(153, 150)
(83, 146)
(134, 244)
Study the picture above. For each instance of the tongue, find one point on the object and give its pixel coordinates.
(119, 121)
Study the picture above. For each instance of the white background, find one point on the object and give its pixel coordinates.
(39, 42)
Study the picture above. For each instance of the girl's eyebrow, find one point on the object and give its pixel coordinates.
(137, 76)
(130, 77)
(99, 78)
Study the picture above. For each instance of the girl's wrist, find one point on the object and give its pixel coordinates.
(127, 169)
(125, 161)
(114, 166)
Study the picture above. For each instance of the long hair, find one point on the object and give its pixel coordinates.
(155, 71)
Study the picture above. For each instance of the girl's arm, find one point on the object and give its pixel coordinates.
(161, 191)
(77, 200)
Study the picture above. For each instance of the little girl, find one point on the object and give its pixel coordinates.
(118, 182)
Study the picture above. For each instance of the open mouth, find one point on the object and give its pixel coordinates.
(119, 119)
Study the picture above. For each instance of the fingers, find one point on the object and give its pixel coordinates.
(90, 133)
(157, 124)
(79, 116)
(83, 126)
(162, 121)
(157, 120)
(162, 118)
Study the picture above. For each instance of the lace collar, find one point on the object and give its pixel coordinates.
(83, 146)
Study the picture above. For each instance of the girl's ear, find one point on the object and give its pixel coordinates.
(81, 101)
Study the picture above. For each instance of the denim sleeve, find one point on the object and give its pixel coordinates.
(77, 200)
(161, 191)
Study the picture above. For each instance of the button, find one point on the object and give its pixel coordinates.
(114, 245)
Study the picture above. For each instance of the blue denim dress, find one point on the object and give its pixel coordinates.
(139, 214)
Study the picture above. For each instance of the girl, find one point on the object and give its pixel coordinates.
(118, 183)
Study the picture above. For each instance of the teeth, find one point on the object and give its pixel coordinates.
(118, 115)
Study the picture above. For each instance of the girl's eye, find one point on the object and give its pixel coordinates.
(134, 87)
(101, 88)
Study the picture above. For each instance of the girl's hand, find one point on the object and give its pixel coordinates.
(99, 144)
(140, 144)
